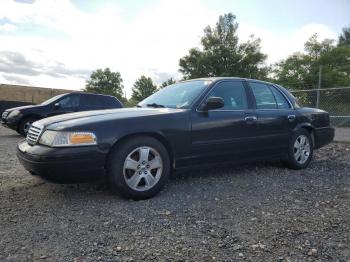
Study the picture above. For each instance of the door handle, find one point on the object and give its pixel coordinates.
(291, 118)
(250, 118)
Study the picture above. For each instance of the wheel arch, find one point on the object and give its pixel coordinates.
(310, 129)
(154, 135)
(27, 116)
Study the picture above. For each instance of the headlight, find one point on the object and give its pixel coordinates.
(64, 139)
(4, 114)
(14, 113)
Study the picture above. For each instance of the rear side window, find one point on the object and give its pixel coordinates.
(88, 101)
(268, 97)
(99, 101)
(263, 96)
(233, 94)
(282, 103)
(93, 101)
(112, 102)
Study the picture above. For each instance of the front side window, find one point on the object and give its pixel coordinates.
(233, 94)
(263, 96)
(71, 101)
(179, 95)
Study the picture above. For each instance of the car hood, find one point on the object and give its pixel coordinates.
(88, 117)
(20, 108)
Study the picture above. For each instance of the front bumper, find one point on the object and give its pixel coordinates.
(323, 136)
(52, 162)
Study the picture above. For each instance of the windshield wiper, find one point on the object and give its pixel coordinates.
(155, 105)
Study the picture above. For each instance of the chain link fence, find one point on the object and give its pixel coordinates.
(336, 101)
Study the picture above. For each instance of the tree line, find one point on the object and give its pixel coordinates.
(222, 54)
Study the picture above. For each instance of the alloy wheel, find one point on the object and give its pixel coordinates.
(142, 168)
(302, 149)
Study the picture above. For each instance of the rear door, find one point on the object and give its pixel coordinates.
(275, 118)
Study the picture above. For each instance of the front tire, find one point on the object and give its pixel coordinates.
(300, 150)
(138, 168)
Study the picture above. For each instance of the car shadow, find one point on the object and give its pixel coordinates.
(97, 185)
(225, 170)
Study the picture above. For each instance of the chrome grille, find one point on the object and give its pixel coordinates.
(34, 133)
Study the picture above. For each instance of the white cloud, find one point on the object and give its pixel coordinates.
(8, 27)
(280, 45)
(155, 39)
(149, 44)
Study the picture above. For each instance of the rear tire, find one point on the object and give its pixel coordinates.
(138, 168)
(25, 124)
(300, 150)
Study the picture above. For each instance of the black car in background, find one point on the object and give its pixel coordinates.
(189, 124)
(21, 118)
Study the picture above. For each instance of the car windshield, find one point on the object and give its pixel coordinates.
(51, 99)
(180, 95)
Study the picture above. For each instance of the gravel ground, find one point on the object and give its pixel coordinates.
(256, 212)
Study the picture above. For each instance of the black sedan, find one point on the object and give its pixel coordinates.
(189, 124)
(21, 118)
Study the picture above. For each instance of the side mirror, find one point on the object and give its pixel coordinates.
(213, 103)
(57, 106)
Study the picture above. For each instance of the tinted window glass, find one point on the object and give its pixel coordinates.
(69, 101)
(282, 103)
(91, 101)
(263, 96)
(113, 102)
(100, 101)
(233, 94)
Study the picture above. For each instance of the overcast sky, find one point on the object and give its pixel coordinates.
(57, 43)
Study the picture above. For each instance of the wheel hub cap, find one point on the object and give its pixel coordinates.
(142, 168)
(302, 149)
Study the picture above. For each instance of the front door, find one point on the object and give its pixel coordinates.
(227, 133)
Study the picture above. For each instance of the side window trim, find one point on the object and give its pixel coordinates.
(226, 110)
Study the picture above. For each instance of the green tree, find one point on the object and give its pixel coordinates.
(301, 70)
(168, 82)
(104, 81)
(130, 103)
(143, 88)
(221, 54)
(344, 38)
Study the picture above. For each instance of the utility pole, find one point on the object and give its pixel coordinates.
(319, 87)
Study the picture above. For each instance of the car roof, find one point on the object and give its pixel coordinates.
(89, 93)
(215, 79)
